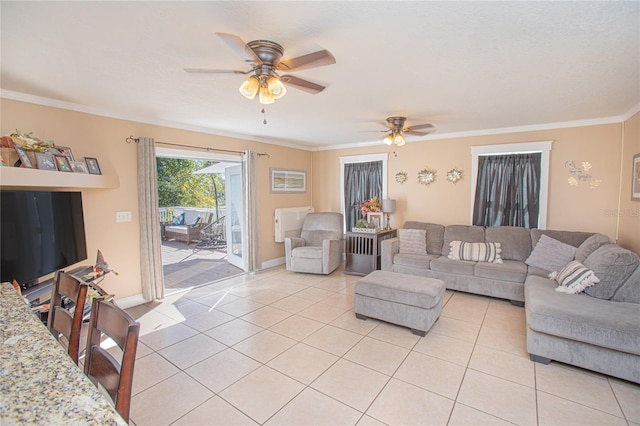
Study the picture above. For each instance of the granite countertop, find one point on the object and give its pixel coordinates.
(39, 383)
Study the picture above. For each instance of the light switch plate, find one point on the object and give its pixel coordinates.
(123, 216)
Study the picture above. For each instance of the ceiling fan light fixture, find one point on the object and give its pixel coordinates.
(265, 96)
(388, 140)
(398, 139)
(276, 88)
(250, 87)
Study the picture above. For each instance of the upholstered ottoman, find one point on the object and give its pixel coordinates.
(407, 300)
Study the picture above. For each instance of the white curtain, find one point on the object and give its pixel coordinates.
(250, 201)
(150, 244)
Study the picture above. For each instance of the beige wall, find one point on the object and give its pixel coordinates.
(570, 207)
(629, 212)
(104, 138)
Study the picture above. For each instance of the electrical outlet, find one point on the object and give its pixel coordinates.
(123, 216)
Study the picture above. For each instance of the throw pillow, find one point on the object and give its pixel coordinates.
(178, 219)
(574, 278)
(196, 222)
(477, 252)
(413, 241)
(613, 265)
(550, 254)
(590, 245)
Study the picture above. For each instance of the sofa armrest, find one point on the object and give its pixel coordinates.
(388, 249)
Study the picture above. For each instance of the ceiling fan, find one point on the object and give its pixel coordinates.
(266, 61)
(396, 130)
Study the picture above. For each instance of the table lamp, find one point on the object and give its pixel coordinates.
(388, 207)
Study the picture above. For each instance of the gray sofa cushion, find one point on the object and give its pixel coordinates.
(435, 235)
(468, 233)
(509, 270)
(401, 288)
(515, 242)
(630, 290)
(550, 254)
(444, 264)
(590, 245)
(308, 252)
(568, 237)
(421, 261)
(613, 265)
(581, 317)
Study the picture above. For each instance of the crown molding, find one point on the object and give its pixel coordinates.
(54, 103)
(23, 97)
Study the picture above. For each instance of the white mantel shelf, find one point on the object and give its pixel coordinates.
(29, 179)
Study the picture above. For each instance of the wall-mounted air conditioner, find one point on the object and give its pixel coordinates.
(288, 222)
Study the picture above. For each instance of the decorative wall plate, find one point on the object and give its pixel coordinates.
(454, 175)
(426, 176)
(401, 177)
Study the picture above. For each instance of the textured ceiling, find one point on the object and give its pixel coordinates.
(463, 66)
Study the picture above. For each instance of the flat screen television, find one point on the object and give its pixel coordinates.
(40, 232)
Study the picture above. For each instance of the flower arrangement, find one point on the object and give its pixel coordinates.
(372, 205)
(30, 143)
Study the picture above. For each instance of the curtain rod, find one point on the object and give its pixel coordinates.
(136, 140)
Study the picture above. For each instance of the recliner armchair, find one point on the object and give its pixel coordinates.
(319, 248)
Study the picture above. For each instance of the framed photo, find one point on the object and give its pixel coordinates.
(288, 180)
(62, 161)
(375, 218)
(46, 161)
(66, 151)
(24, 158)
(635, 174)
(79, 166)
(92, 165)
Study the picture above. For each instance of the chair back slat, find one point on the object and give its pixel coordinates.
(62, 322)
(116, 377)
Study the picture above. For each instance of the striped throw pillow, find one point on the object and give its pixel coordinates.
(574, 278)
(413, 241)
(477, 252)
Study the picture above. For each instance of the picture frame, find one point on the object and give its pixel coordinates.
(79, 166)
(24, 158)
(635, 178)
(92, 165)
(62, 162)
(65, 150)
(45, 161)
(375, 218)
(283, 180)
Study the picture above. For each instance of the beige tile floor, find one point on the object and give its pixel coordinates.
(281, 348)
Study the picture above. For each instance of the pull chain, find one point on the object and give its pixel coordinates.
(264, 114)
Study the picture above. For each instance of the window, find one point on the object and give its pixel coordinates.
(362, 177)
(510, 184)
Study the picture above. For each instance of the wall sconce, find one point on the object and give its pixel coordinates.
(388, 207)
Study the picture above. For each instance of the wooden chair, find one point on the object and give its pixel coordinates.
(61, 321)
(100, 365)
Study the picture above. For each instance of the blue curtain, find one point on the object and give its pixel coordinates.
(507, 190)
(362, 181)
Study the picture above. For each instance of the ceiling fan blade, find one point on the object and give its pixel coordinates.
(214, 71)
(301, 84)
(312, 60)
(414, 133)
(420, 126)
(240, 47)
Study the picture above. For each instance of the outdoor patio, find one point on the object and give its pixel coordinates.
(186, 266)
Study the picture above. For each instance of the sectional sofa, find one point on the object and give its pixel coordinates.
(597, 329)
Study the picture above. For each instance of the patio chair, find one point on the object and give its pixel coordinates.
(213, 235)
(190, 231)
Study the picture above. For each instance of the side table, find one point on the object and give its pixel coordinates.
(363, 251)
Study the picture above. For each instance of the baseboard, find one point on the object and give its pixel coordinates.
(131, 301)
(273, 262)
